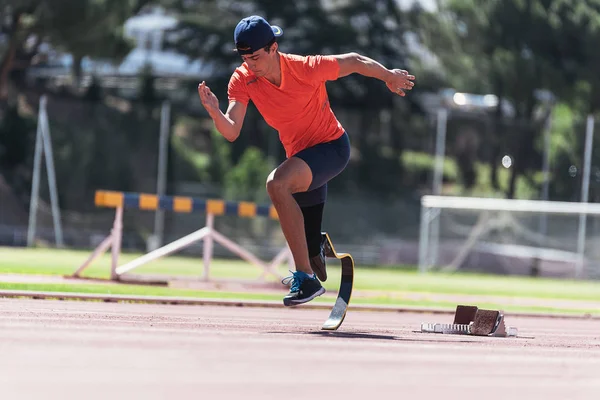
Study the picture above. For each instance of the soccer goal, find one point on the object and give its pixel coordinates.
(510, 236)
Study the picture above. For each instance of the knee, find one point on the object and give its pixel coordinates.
(277, 187)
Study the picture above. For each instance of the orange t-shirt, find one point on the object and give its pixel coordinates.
(299, 108)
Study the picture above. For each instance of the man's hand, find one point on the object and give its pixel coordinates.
(228, 124)
(399, 80)
(209, 100)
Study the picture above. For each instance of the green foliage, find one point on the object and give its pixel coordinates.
(84, 27)
(563, 134)
(246, 180)
(515, 48)
(378, 170)
(198, 162)
(220, 158)
(419, 169)
(567, 157)
(91, 28)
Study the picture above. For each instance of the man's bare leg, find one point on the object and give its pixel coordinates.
(292, 176)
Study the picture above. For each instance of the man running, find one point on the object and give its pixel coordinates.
(289, 92)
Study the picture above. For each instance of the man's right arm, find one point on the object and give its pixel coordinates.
(230, 123)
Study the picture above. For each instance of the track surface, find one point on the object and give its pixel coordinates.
(91, 350)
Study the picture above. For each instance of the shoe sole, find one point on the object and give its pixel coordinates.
(288, 303)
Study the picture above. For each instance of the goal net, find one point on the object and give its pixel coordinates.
(517, 237)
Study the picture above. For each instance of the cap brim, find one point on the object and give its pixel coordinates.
(277, 31)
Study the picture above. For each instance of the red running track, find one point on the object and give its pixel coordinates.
(92, 350)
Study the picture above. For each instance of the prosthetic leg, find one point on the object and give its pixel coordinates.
(338, 313)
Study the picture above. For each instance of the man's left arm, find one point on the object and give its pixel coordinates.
(397, 80)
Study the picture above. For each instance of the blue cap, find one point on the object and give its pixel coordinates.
(253, 33)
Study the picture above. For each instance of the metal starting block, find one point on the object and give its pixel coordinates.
(470, 320)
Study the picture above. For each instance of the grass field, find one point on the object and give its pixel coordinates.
(389, 286)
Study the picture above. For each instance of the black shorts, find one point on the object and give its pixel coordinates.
(326, 161)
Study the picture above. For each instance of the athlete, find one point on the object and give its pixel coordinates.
(289, 92)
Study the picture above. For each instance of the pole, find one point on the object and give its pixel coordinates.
(161, 180)
(546, 175)
(438, 176)
(589, 136)
(35, 184)
(424, 239)
(58, 235)
(207, 251)
(440, 150)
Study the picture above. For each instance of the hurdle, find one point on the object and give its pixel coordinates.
(208, 234)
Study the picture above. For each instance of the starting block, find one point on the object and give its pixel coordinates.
(470, 320)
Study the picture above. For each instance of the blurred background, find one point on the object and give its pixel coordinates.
(505, 92)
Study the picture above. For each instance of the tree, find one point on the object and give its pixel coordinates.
(80, 27)
(515, 48)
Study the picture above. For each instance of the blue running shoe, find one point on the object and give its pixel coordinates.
(303, 288)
